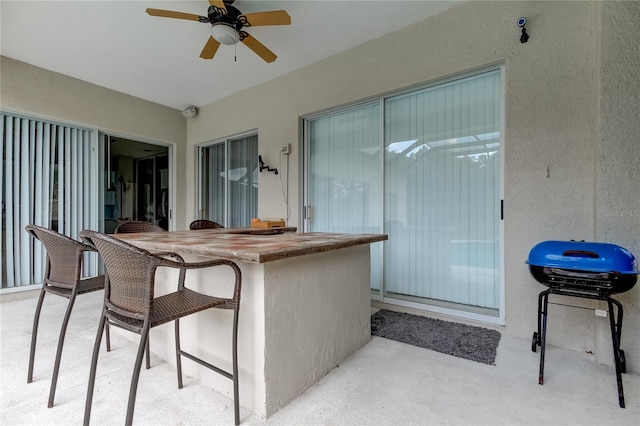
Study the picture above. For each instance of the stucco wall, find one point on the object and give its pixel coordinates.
(617, 203)
(33, 91)
(558, 180)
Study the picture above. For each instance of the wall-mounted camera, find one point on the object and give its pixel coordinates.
(521, 23)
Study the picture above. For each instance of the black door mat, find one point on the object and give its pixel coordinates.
(452, 338)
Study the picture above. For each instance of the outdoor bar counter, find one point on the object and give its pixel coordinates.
(305, 307)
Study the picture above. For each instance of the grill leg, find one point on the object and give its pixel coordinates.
(616, 329)
(544, 298)
(540, 302)
(535, 342)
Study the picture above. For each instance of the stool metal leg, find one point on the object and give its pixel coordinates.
(34, 334)
(108, 337)
(92, 371)
(236, 384)
(178, 358)
(148, 351)
(133, 390)
(56, 365)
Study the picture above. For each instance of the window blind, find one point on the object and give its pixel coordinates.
(49, 178)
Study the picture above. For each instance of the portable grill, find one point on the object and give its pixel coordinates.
(587, 270)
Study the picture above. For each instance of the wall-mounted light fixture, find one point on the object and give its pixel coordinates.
(267, 168)
(190, 111)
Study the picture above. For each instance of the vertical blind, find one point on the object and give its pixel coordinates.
(427, 166)
(48, 178)
(344, 171)
(345, 176)
(243, 187)
(212, 186)
(229, 182)
(442, 175)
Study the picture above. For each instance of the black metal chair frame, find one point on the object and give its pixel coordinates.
(62, 277)
(131, 271)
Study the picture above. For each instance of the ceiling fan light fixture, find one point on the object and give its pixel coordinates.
(225, 34)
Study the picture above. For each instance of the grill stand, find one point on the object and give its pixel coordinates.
(539, 337)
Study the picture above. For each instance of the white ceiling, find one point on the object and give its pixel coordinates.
(115, 44)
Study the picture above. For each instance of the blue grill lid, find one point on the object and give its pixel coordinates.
(583, 256)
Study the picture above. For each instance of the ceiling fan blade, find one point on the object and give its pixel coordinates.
(259, 48)
(210, 48)
(218, 3)
(178, 15)
(276, 17)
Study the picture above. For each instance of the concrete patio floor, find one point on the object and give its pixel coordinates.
(385, 383)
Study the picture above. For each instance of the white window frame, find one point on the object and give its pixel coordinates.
(199, 152)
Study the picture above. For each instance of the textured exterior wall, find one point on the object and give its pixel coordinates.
(29, 90)
(555, 154)
(617, 201)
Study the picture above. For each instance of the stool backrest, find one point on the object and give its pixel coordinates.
(64, 256)
(135, 226)
(204, 224)
(130, 273)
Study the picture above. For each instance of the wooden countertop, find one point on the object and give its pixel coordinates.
(258, 246)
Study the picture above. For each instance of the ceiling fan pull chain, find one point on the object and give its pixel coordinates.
(235, 51)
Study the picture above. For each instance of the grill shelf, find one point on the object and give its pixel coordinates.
(585, 270)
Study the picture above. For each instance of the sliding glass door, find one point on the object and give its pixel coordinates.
(442, 194)
(344, 192)
(228, 181)
(424, 167)
(137, 183)
(67, 178)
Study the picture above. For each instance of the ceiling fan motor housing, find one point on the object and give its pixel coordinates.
(232, 16)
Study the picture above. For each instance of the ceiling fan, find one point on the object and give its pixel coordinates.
(227, 26)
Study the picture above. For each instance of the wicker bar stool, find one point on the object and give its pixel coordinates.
(137, 226)
(130, 304)
(204, 224)
(62, 277)
(132, 227)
